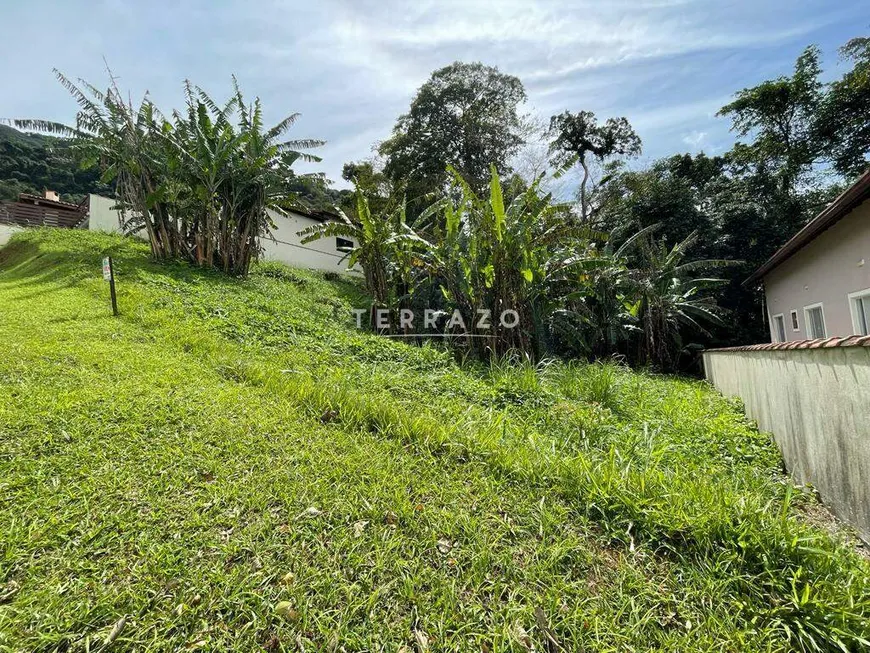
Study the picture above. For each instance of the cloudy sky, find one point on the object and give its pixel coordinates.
(351, 67)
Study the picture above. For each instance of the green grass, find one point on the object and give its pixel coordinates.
(229, 465)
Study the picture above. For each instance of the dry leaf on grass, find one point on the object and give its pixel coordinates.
(309, 512)
(359, 527)
(422, 640)
(522, 637)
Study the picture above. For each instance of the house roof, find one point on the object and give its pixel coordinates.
(321, 215)
(836, 210)
(39, 200)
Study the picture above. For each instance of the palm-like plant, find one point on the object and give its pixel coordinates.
(199, 184)
(669, 298)
(498, 257)
(233, 170)
(382, 245)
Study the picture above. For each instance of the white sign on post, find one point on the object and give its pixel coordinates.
(107, 269)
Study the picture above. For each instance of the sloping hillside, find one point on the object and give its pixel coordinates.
(230, 465)
(31, 163)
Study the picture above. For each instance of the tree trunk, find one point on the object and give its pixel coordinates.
(583, 207)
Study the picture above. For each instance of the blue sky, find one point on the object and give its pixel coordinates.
(351, 67)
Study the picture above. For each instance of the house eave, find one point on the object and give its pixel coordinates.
(834, 212)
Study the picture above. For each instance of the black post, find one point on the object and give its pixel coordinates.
(112, 287)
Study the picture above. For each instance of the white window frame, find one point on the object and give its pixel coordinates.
(852, 298)
(809, 323)
(795, 323)
(773, 319)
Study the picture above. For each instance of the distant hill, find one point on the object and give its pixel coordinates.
(32, 163)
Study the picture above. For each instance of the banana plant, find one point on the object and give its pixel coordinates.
(669, 297)
(199, 183)
(384, 246)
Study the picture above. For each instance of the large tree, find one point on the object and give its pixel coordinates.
(465, 116)
(778, 118)
(577, 137)
(843, 123)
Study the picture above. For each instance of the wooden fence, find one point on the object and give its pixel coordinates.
(31, 215)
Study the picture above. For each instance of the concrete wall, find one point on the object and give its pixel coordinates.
(816, 402)
(6, 231)
(825, 271)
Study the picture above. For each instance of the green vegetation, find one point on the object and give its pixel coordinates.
(32, 163)
(466, 115)
(800, 139)
(520, 251)
(576, 138)
(202, 179)
(230, 466)
(198, 184)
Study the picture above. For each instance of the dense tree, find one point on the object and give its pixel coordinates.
(843, 123)
(465, 116)
(369, 178)
(312, 191)
(670, 194)
(577, 137)
(779, 116)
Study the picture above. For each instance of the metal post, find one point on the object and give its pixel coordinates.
(112, 287)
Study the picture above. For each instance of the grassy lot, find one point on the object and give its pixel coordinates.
(229, 465)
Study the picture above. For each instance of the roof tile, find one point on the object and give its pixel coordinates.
(818, 343)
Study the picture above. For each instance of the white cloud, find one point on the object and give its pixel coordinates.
(695, 139)
(352, 66)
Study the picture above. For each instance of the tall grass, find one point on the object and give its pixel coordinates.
(659, 469)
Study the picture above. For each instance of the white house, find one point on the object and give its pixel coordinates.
(284, 244)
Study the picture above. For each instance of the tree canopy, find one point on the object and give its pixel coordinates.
(578, 136)
(844, 116)
(465, 116)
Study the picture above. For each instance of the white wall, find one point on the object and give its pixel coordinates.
(816, 402)
(286, 246)
(6, 231)
(102, 216)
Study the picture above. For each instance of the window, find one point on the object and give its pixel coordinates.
(779, 328)
(343, 245)
(794, 321)
(859, 304)
(814, 318)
